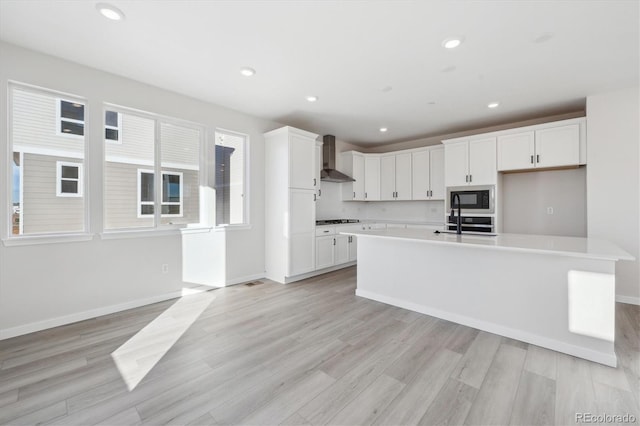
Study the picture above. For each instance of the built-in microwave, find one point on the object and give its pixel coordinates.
(473, 199)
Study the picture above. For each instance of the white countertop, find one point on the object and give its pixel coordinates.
(589, 248)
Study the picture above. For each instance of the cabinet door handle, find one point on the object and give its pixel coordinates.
(365, 195)
(531, 158)
(470, 178)
(334, 241)
(319, 192)
(537, 158)
(354, 194)
(314, 197)
(466, 178)
(314, 181)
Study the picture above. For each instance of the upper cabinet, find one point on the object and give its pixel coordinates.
(353, 165)
(371, 177)
(302, 160)
(395, 176)
(365, 169)
(557, 146)
(427, 170)
(318, 169)
(470, 162)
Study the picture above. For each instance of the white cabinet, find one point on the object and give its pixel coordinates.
(371, 177)
(516, 152)
(290, 167)
(302, 161)
(341, 249)
(353, 248)
(324, 252)
(471, 162)
(558, 146)
(427, 171)
(544, 148)
(332, 248)
(353, 165)
(395, 176)
(318, 169)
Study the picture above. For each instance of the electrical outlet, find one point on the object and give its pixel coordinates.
(549, 210)
(165, 268)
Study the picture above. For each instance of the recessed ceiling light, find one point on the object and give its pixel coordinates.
(247, 72)
(110, 11)
(452, 42)
(312, 98)
(383, 129)
(493, 104)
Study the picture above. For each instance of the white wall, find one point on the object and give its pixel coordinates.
(526, 197)
(613, 180)
(49, 284)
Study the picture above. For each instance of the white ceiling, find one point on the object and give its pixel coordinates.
(346, 52)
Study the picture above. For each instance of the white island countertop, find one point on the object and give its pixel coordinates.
(588, 248)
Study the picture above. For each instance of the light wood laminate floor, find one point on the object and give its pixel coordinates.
(310, 353)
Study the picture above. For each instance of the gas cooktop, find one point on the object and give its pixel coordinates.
(335, 221)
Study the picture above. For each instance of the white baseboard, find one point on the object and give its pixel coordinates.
(300, 277)
(602, 358)
(20, 330)
(244, 279)
(631, 300)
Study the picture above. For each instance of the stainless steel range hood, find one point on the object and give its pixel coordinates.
(329, 172)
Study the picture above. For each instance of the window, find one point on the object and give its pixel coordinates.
(69, 179)
(112, 129)
(70, 118)
(151, 146)
(171, 189)
(47, 149)
(230, 177)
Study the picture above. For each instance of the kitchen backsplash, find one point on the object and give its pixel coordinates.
(331, 206)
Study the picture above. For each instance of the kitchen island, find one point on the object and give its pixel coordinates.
(554, 292)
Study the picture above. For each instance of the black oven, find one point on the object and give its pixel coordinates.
(473, 199)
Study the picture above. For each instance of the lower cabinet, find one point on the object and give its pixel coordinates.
(353, 248)
(334, 249)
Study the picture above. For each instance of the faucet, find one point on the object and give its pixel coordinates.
(451, 217)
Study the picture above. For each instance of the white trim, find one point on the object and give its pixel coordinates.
(162, 203)
(48, 152)
(59, 179)
(139, 199)
(172, 203)
(81, 316)
(35, 239)
(306, 275)
(245, 279)
(149, 163)
(246, 178)
(128, 160)
(60, 118)
(631, 300)
(118, 128)
(140, 233)
(556, 345)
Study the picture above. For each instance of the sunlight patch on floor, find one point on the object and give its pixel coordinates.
(136, 357)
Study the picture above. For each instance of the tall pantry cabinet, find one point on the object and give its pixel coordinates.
(290, 195)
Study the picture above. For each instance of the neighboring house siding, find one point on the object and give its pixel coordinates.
(34, 125)
(137, 140)
(121, 197)
(42, 210)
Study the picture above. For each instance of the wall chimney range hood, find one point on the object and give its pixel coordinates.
(329, 172)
